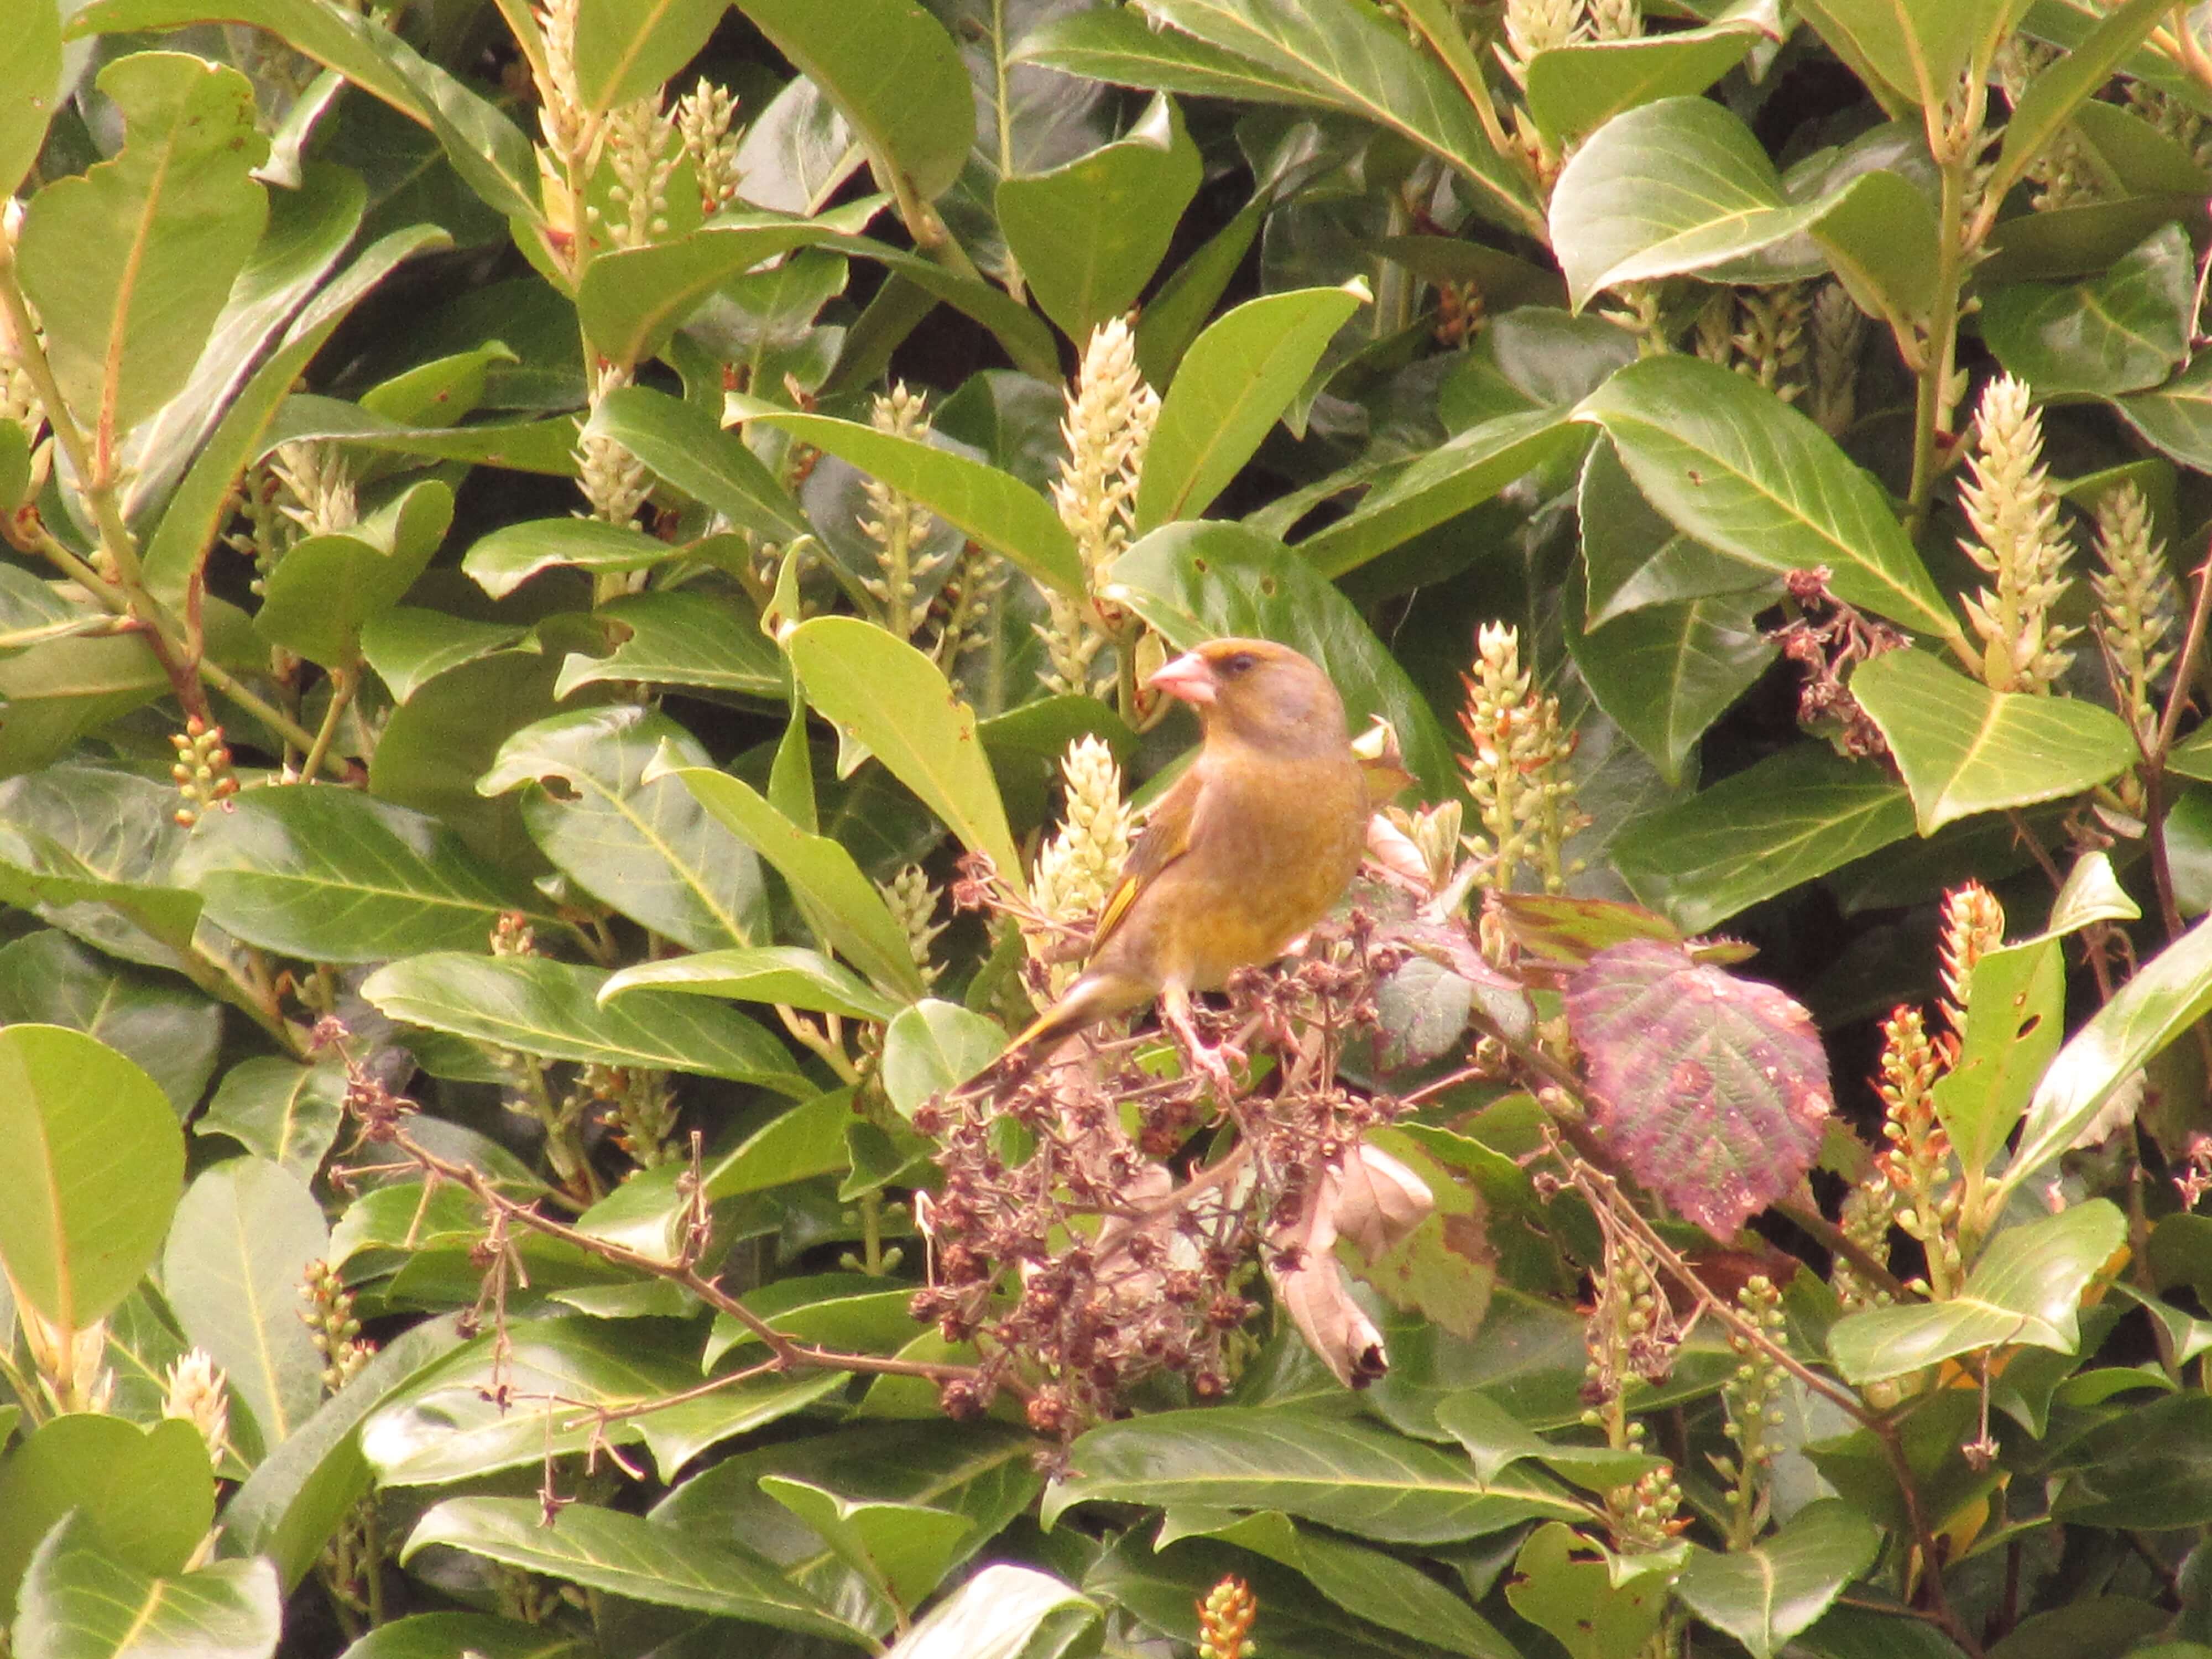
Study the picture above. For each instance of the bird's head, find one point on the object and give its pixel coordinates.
(1258, 692)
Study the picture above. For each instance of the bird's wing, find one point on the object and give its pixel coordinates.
(1166, 838)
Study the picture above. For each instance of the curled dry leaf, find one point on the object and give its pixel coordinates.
(1374, 1202)
(1712, 1090)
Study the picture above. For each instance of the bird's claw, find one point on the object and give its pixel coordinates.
(1217, 1063)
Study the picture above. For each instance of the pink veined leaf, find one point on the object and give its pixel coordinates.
(1713, 1090)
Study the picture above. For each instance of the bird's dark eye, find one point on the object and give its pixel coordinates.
(1241, 663)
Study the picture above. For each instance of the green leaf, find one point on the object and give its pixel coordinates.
(146, 1498)
(509, 556)
(94, 852)
(881, 692)
(891, 70)
(1354, 61)
(2146, 1468)
(1201, 581)
(550, 1009)
(1881, 238)
(1367, 1582)
(934, 1045)
(1579, 1602)
(624, 1555)
(295, 1501)
(2026, 1288)
(2120, 330)
(1438, 486)
(30, 73)
(2176, 417)
(1114, 44)
(798, 1144)
(171, 1031)
(1765, 1595)
(763, 973)
(632, 299)
(1351, 1475)
(676, 638)
(1495, 1440)
(1965, 749)
(1632, 557)
(329, 875)
(78, 1602)
(1090, 234)
(1792, 817)
(441, 1635)
(236, 1259)
(1234, 383)
(1918, 47)
(841, 904)
(409, 646)
(626, 48)
(902, 1550)
(2056, 93)
(2016, 1020)
(449, 1422)
(203, 501)
(1005, 1612)
(1577, 88)
(1666, 672)
(649, 850)
(327, 586)
(93, 1160)
(130, 264)
(2169, 994)
(1734, 466)
(999, 510)
(279, 1110)
(688, 450)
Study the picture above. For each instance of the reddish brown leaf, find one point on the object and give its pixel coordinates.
(1712, 1090)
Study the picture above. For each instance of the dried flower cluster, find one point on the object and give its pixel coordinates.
(1828, 639)
(1079, 1257)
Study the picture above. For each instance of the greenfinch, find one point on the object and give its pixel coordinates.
(1248, 849)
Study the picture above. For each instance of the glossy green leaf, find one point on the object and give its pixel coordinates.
(1005, 1612)
(146, 1498)
(1369, 1582)
(1200, 581)
(546, 447)
(237, 1257)
(763, 973)
(2016, 1020)
(2120, 330)
(1791, 818)
(1112, 44)
(902, 1550)
(1918, 47)
(623, 1555)
(679, 638)
(79, 1602)
(1469, 470)
(1771, 1592)
(2148, 1468)
(1965, 749)
(1354, 1476)
(441, 1635)
(30, 73)
(1580, 1602)
(551, 1009)
(997, 509)
(1234, 383)
(841, 904)
(94, 1159)
(798, 1144)
(2176, 417)
(502, 562)
(1881, 238)
(94, 853)
(171, 1031)
(935, 1046)
(2169, 994)
(1666, 672)
(329, 875)
(626, 48)
(297, 1495)
(1575, 88)
(1495, 1440)
(1090, 234)
(891, 70)
(2026, 1288)
(689, 452)
(325, 587)
(2056, 93)
(881, 692)
(130, 264)
(409, 646)
(1734, 467)
(632, 299)
(1632, 557)
(203, 502)
(1355, 61)
(649, 850)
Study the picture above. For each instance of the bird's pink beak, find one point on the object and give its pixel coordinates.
(1189, 677)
